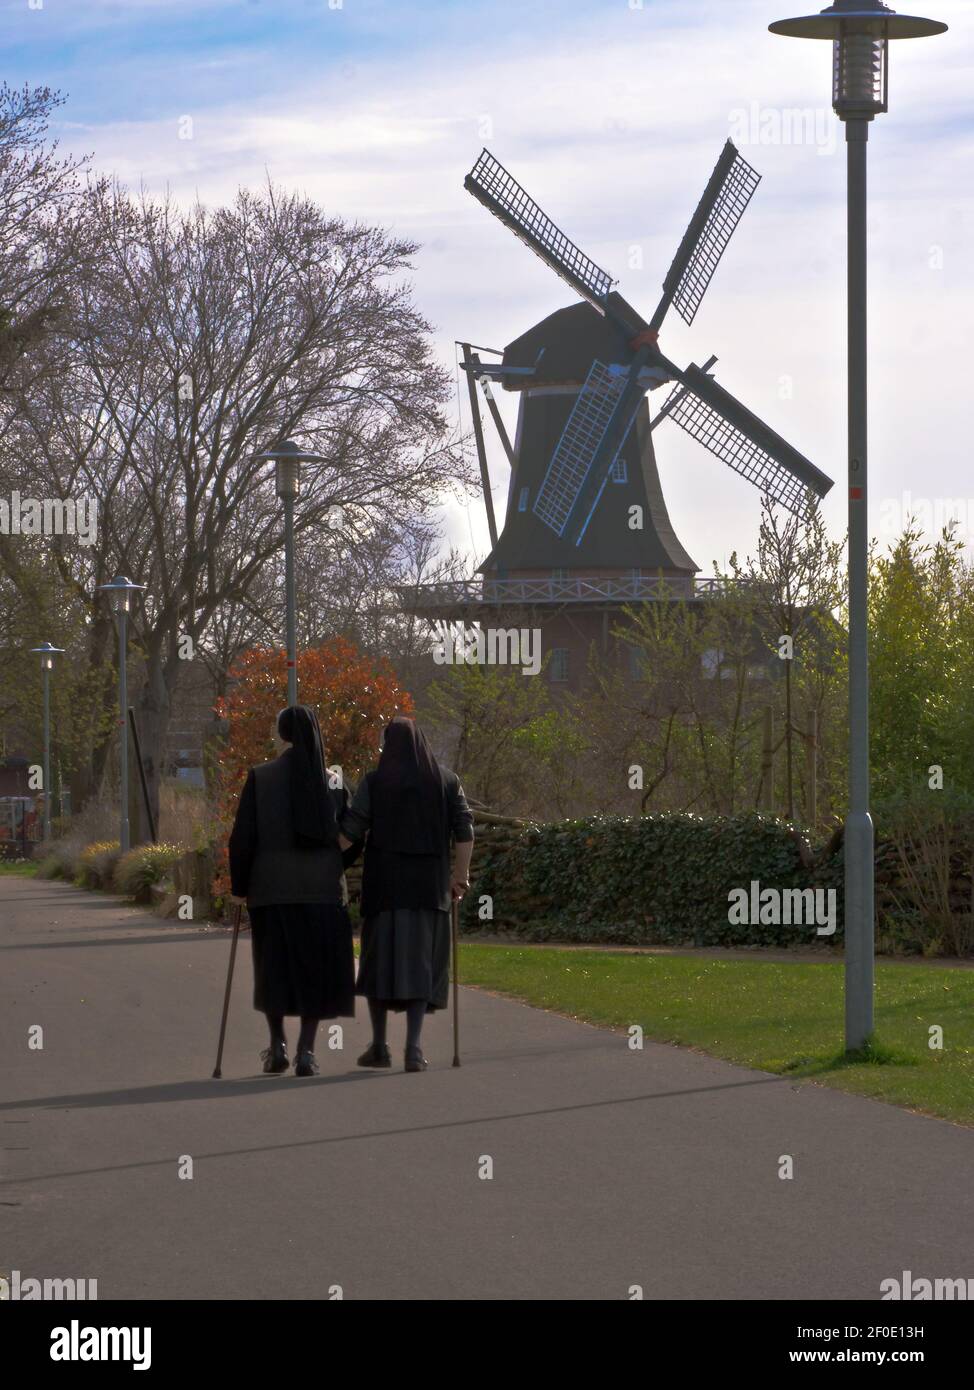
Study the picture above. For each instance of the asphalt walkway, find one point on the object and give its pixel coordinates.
(609, 1168)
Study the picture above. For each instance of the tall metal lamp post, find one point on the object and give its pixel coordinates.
(288, 458)
(47, 653)
(121, 593)
(860, 31)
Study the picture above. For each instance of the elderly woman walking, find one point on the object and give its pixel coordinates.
(285, 860)
(410, 809)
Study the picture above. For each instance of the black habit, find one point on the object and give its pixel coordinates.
(410, 809)
(285, 860)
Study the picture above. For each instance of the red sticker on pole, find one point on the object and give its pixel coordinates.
(856, 493)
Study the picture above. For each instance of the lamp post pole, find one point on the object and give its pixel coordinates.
(47, 753)
(125, 837)
(121, 592)
(859, 836)
(860, 31)
(287, 459)
(47, 654)
(290, 601)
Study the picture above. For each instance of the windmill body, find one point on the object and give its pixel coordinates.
(583, 465)
(630, 532)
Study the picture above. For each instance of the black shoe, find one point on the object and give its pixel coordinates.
(275, 1059)
(415, 1061)
(376, 1055)
(305, 1064)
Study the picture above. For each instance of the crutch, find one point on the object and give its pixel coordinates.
(217, 1070)
(455, 933)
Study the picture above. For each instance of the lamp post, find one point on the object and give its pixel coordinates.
(121, 593)
(288, 458)
(47, 653)
(860, 31)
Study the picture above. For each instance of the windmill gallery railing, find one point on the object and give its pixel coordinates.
(461, 594)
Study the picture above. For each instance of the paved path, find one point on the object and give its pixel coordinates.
(611, 1168)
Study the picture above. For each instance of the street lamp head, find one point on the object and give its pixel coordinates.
(47, 653)
(858, 16)
(288, 459)
(121, 593)
(860, 31)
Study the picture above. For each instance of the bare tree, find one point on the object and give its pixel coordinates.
(42, 241)
(200, 339)
(798, 580)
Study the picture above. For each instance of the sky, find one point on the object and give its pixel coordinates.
(612, 113)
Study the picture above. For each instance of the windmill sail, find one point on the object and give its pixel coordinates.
(738, 438)
(579, 444)
(587, 454)
(501, 194)
(730, 189)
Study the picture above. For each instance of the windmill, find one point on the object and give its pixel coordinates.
(626, 364)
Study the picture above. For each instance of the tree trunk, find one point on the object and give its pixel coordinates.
(154, 715)
(104, 716)
(789, 771)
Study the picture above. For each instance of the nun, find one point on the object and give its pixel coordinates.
(408, 811)
(286, 863)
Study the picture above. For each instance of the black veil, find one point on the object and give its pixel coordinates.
(312, 809)
(408, 793)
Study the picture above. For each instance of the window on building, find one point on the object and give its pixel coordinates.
(559, 574)
(522, 501)
(558, 665)
(620, 472)
(710, 662)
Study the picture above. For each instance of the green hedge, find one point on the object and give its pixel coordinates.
(661, 879)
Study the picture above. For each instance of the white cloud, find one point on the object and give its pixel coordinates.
(614, 125)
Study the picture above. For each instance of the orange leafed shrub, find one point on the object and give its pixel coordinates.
(353, 695)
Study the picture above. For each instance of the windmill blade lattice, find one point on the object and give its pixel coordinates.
(725, 427)
(731, 187)
(501, 194)
(579, 443)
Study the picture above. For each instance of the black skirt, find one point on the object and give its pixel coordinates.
(304, 964)
(405, 954)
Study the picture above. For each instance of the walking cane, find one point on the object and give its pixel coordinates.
(455, 933)
(217, 1070)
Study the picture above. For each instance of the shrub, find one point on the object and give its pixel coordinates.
(185, 814)
(660, 879)
(925, 872)
(91, 827)
(353, 694)
(665, 879)
(140, 868)
(96, 864)
(61, 861)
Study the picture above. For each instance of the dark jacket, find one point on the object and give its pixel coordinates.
(392, 880)
(267, 867)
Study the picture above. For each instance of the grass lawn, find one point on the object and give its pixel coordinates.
(25, 869)
(778, 1017)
